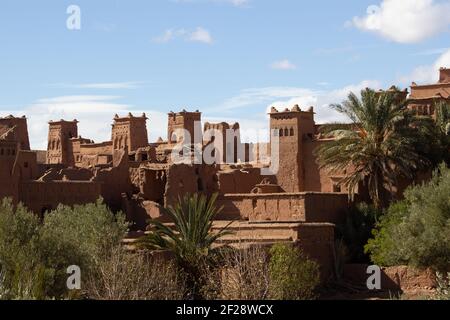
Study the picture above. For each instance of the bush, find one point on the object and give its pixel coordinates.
(416, 231)
(292, 275)
(80, 236)
(34, 256)
(121, 275)
(21, 272)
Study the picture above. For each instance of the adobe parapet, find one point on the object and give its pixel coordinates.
(11, 117)
(63, 122)
(129, 117)
(185, 112)
(295, 109)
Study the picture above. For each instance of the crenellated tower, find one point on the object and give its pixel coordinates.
(292, 127)
(59, 149)
(129, 132)
(183, 121)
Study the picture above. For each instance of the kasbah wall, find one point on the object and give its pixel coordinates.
(140, 178)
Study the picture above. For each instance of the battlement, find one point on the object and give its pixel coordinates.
(130, 117)
(63, 122)
(295, 110)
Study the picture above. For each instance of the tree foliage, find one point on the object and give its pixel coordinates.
(378, 148)
(34, 256)
(416, 231)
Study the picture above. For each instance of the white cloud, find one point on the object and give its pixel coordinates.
(287, 97)
(427, 73)
(283, 65)
(94, 113)
(407, 21)
(198, 35)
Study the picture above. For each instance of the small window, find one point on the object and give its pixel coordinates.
(292, 132)
(337, 188)
(25, 165)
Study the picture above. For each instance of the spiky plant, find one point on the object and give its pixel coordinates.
(377, 148)
(190, 238)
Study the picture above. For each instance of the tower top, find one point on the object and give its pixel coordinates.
(74, 121)
(295, 109)
(130, 116)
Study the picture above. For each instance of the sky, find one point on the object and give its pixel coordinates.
(231, 59)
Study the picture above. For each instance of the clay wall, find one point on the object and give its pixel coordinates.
(153, 184)
(303, 207)
(25, 166)
(187, 179)
(239, 180)
(8, 184)
(115, 181)
(41, 197)
(19, 130)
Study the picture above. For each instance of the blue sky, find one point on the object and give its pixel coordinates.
(231, 59)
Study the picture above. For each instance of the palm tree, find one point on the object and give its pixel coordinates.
(377, 148)
(190, 238)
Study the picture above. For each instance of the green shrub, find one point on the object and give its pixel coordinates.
(416, 231)
(78, 236)
(292, 275)
(22, 274)
(34, 256)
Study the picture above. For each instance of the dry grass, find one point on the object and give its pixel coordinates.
(134, 276)
(245, 275)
